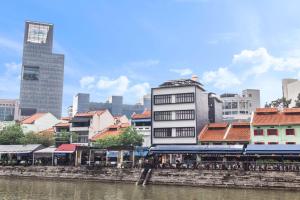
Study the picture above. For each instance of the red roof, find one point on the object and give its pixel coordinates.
(217, 125)
(239, 131)
(65, 118)
(62, 124)
(279, 118)
(210, 133)
(90, 113)
(145, 115)
(66, 148)
(31, 119)
(113, 130)
(218, 132)
(266, 110)
(291, 110)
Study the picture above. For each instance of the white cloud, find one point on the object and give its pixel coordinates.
(259, 61)
(10, 44)
(87, 82)
(140, 90)
(118, 86)
(221, 78)
(182, 72)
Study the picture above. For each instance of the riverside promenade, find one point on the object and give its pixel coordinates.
(189, 177)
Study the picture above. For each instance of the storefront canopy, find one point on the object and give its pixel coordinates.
(197, 149)
(48, 150)
(279, 149)
(19, 149)
(66, 148)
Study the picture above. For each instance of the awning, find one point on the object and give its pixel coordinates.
(279, 149)
(48, 150)
(141, 151)
(19, 149)
(66, 148)
(197, 149)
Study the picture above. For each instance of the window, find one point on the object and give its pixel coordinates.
(185, 132)
(37, 33)
(290, 131)
(162, 99)
(259, 143)
(272, 142)
(272, 132)
(31, 73)
(162, 115)
(162, 132)
(234, 105)
(184, 98)
(184, 114)
(258, 132)
(290, 143)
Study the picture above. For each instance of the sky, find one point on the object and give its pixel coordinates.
(126, 47)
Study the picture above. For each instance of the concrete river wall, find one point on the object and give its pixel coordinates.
(203, 178)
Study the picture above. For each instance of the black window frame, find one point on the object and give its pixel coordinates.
(185, 132)
(162, 132)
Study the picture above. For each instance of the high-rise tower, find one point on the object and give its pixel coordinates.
(42, 72)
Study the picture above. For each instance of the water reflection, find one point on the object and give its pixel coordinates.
(29, 189)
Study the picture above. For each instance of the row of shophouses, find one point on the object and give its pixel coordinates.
(183, 118)
(182, 113)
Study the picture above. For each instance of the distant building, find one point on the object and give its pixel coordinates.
(114, 105)
(291, 90)
(271, 126)
(81, 103)
(225, 134)
(142, 124)
(179, 111)
(147, 101)
(90, 123)
(42, 72)
(38, 122)
(239, 107)
(214, 108)
(9, 110)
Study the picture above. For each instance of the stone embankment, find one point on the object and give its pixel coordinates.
(202, 178)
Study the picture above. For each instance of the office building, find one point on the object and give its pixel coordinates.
(239, 107)
(9, 110)
(114, 104)
(42, 72)
(291, 90)
(179, 111)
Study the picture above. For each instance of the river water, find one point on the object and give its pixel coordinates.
(33, 189)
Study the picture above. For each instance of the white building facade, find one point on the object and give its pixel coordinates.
(291, 90)
(239, 107)
(179, 111)
(9, 110)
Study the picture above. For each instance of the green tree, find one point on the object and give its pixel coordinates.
(297, 101)
(11, 135)
(33, 138)
(129, 137)
(280, 102)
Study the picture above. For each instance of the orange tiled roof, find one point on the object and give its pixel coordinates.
(217, 125)
(48, 132)
(113, 130)
(291, 110)
(218, 132)
(278, 118)
(31, 119)
(62, 124)
(145, 115)
(210, 133)
(90, 113)
(65, 118)
(239, 132)
(266, 110)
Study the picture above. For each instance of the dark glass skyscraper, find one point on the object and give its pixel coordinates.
(42, 72)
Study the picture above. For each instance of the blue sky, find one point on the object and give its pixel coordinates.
(126, 47)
